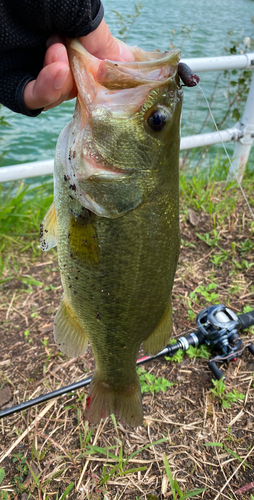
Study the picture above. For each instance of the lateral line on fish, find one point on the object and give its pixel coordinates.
(224, 147)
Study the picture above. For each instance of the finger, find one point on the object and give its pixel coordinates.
(54, 39)
(53, 83)
(101, 43)
(56, 53)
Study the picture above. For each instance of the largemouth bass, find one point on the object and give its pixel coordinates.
(115, 220)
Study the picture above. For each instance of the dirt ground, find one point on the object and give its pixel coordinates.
(55, 442)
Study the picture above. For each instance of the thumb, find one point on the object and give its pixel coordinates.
(101, 43)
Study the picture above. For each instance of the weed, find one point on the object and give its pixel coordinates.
(120, 469)
(198, 352)
(206, 292)
(125, 22)
(211, 239)
(225, 398)
(243, 265)
(150, 383)
(246, 309)
(45, 341)
(26, 335)
(230, 452)
(175, 488)
(246, 246)
(22, 469)
(34, 315)
(65, 493)
(218, 259)
(3, 494)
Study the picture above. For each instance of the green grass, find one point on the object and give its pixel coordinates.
(175, 488)
(22, 210)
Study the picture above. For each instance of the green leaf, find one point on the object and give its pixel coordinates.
(169, 474)
(68, 489)
(220, 445)
(192, 493)
(2, 474)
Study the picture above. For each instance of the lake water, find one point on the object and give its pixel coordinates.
(159, 24)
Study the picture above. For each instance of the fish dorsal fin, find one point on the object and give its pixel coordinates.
(70, 338)
(48, 230)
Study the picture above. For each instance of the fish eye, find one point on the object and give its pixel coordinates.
(157, 119)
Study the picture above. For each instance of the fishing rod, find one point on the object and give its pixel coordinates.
(218, 328)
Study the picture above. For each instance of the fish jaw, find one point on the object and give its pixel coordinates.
(107, 117)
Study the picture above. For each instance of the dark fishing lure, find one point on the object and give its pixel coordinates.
(186, 74)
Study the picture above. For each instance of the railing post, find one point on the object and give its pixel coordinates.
(243, 146)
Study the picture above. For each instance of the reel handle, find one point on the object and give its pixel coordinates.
(218, 374)
(251, 349)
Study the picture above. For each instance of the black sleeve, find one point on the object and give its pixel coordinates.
(25, 26)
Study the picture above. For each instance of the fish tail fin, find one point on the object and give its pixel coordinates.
(104, 399)
(159, 338)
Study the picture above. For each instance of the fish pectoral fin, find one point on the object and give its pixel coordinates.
(158, 339)
(70, 338)
(48, 229)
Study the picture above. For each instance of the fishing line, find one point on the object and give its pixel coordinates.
(230, 162)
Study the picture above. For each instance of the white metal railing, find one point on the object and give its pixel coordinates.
(242, 133)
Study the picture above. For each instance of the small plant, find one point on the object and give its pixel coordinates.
(120, 469)
(246, 309)
(22, 469)
(34, 315)
(65, 493)
(211, 239)
(175, 488)
(206, 292)
(26, 335)
(3, 494)
(45, 341)
(150, 383)
(125, 22)
(225, 398)
(229, 451)
(198, 352)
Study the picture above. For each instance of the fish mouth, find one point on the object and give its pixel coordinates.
(101, 78)
(96, 170)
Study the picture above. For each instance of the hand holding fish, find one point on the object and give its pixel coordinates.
(55, 83)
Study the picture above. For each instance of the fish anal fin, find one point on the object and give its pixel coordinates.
(70, 338)
(48, 230)
(104, 399)
(158, 339)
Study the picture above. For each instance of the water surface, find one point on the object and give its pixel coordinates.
(32, 139)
